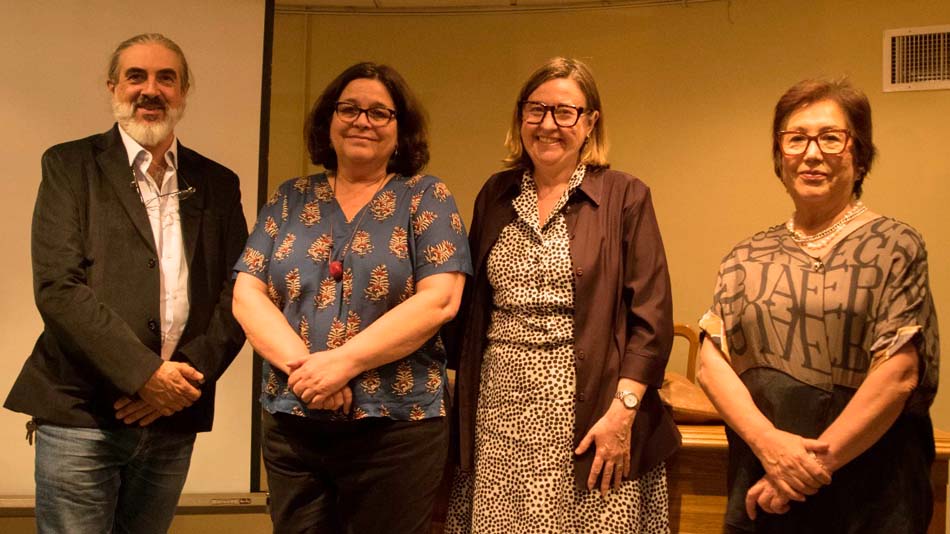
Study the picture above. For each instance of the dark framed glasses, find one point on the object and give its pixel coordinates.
(377, 116)
(564, 115)
(829, 142)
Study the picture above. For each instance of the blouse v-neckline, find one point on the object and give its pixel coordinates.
(357, 215)
(526, 203)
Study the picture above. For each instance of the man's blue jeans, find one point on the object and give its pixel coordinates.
(122, 480)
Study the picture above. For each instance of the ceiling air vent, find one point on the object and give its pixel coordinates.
(917, 59)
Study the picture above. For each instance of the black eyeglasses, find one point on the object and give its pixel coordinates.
(564, 115)
(829, 142)
(377, 116)
(182, 194)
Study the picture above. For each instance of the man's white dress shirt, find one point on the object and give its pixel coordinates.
(165, 219)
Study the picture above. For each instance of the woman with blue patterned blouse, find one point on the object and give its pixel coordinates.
(342, 288)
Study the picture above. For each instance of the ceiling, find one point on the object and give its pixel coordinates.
(461, 6)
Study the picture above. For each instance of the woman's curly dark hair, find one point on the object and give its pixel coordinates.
(412, 145)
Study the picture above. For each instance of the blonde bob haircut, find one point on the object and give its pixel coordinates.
(594, 151)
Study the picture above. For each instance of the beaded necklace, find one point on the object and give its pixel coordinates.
(822, 238)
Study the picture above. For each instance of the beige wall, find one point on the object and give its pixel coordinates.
(688, 95)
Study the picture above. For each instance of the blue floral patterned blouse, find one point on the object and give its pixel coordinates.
(412, 230)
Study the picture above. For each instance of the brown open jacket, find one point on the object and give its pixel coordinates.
(623, 316)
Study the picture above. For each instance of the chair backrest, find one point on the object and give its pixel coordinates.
(686, 331)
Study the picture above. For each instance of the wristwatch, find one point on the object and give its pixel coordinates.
(629, 398)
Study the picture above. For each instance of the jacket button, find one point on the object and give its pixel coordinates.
(153, 325)
(580, 396)
(580, 355)
(151, 263)
(579, 271)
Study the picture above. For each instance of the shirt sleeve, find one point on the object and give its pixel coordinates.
(438, 232)
(712, 324)
(260, 244)
(906, 314)
(647, 294)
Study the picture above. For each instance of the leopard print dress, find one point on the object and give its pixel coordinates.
(523, 480)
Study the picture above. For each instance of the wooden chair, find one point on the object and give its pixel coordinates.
(692, 337)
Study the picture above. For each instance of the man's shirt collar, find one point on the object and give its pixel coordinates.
(134, 150)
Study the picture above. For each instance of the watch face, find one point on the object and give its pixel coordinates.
(630, 400)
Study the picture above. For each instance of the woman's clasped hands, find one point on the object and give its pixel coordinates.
(321, 380)
(793, 470)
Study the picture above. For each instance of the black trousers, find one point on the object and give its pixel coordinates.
(368, 476)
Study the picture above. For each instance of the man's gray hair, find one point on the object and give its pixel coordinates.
(144, 38)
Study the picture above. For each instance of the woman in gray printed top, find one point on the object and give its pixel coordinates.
(820, 349)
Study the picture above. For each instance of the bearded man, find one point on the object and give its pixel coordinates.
(133, 240)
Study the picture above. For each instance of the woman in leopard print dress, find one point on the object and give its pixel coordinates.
(565, 333)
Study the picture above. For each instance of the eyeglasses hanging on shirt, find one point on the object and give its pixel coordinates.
(182, 194)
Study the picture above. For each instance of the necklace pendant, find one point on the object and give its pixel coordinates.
(336, 270)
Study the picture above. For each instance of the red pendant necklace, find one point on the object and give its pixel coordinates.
(336, 270)
(336, 266)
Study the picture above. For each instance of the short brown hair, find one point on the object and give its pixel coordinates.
(145, 38)
(412, 145)
(853, 102)
(594, 151)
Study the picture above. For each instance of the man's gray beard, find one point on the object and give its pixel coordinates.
(146, 133)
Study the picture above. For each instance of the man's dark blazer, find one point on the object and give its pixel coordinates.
(96, 283)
